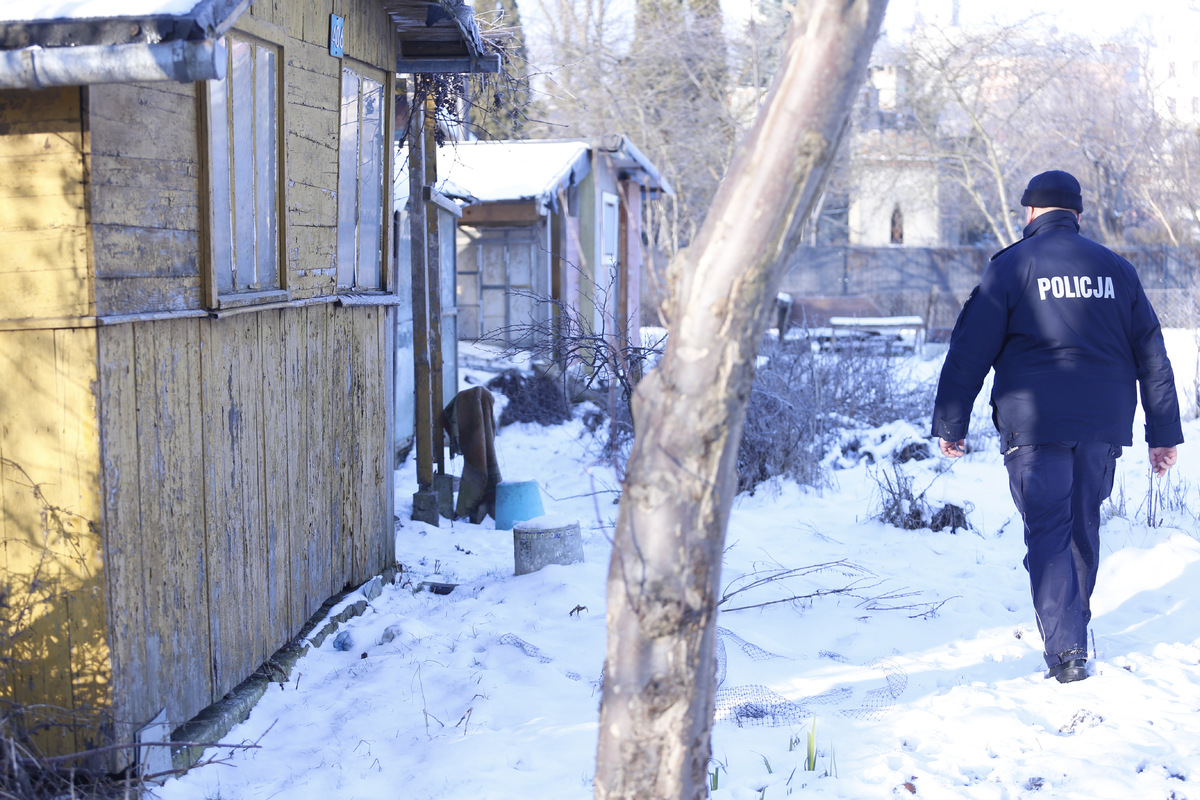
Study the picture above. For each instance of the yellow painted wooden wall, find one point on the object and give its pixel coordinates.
(50, 524)
(223, 476)
(53, 637)
(44, 264)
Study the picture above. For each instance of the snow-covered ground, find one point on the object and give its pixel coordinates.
(920, 673)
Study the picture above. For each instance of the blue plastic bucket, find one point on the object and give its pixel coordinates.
(517, 501)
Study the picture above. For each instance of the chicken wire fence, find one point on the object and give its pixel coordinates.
(754, 704)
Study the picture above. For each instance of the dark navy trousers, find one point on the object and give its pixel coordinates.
(1058, 488)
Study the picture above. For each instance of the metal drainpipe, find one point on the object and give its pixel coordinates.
(36, 67)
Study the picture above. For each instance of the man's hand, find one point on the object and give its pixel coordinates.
(958, 449)
(1161, 459)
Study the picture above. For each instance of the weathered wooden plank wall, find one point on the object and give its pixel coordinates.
(277, 516)
(259, 469)
(145, 202)
(230, 476)
(276, 465)
(170, 531)
(314, 369)
(123, 550)
(364, 20)
(312, 91)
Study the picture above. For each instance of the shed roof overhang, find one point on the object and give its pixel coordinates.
(50, 46)
(438, 36)
(633, 165)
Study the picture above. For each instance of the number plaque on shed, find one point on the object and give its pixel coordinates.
(337, 35)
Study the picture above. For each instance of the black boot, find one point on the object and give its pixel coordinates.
(1069, 671)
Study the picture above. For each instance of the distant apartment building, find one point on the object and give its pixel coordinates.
(893, 184)
(1174, 60)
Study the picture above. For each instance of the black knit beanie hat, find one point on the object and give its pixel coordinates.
(1053, 189)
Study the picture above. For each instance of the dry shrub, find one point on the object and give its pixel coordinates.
(900, 507)
(802, 398)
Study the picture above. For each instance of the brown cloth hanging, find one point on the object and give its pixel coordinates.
(471, 426)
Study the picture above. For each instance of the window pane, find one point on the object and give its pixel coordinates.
(402, 239)
(266, 162)
(370, 218)
(406, 385)
(523, 310)
(607, 290)
(468, 303)
(493, 311)
(449, 356)
(242, 91)
(447, 228)
(348, 182)
(492, 261)
(468, 320)
(222, 232)
(520, 263)
(405, 380)
(609, 221)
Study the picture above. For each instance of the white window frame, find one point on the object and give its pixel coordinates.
(607, 283)
(245, 168)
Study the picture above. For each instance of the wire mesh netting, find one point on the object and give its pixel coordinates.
(755, 704)
(533, 652)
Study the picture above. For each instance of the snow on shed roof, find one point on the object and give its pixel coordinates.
(70, 25)
(24, 11)
(433, 36)
(510, 170)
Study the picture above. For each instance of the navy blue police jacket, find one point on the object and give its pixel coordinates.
(1066, 325)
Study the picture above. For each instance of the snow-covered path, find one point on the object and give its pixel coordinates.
(922, 669)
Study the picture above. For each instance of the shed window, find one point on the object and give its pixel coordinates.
(244, 157)
(360, 184)
(608, 288)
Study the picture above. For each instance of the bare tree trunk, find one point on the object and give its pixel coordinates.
(657, 708)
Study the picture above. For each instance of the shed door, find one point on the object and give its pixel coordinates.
(503, 288)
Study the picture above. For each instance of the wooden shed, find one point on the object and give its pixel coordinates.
(197, 337)
(549, 219)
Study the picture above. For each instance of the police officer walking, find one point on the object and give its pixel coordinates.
(1066, 326)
